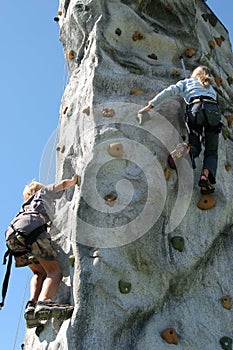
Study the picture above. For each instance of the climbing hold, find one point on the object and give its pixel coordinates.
(229, 80)
(143, 117)
(208, 55)
(61, 148)
(65, 110)
(78, 183)
(229, 119)
(136, 92)
(118, 31)
(56, 19)
(72, 260)
(124, 287)
(169, 8)
(178, 243)
(110, 199)
(115, 149)
(108, 112)
(211, 44)
(86, 110)
(226, 343)
(170, 336)
(228, 166)
(153, 56)
(137, 36)
(218, 81)
(135, 71)
(175, 73)
(219, 40)
(189, 52)
(71, 55)
(167, 173)
(59, 13)
(226, 302)
(206, 202)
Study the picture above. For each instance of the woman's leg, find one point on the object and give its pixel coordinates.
(210, 161)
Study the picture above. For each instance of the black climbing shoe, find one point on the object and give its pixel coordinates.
(206, 187)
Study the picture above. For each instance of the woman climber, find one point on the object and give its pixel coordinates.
(203, 118)
(30, 243)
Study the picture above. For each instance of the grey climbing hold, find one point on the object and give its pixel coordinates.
(124, 287)
(226, 343)
(178, 243)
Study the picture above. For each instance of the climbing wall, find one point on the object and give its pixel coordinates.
(145, 267)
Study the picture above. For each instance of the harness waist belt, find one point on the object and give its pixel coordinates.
(198, 100)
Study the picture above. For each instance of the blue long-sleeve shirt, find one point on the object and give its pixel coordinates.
(187, 89)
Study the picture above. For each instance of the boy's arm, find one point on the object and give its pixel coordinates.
(64, 184)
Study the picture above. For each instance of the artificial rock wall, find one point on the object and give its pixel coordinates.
(146, 258)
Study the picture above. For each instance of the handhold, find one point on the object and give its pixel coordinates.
(56, 19)
(170, 336)
(153, 56)
(135, 71)
(226, 343)
(226, 302)
(65, 110)
(169, 8)
(110, 199)
(178, 243)
(71, 55)
(72, 260)
(229, 119)
(108, 112)
(59, 13)
(175, 73)
(211, 44)
(206, 202)
(219, 40)
(167, 173)
(115, 149)
(189, 52)
(124, 287)
(137, 36)
(229, 80)
(86, 110)
(228, 166)
(61, 148)
(143, 117)
(136, 92)
(118, 31)
(78, 183)
(218, 81)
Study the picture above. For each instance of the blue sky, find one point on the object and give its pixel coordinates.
(33, 77)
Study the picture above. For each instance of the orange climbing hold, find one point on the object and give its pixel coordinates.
(228, 166)
(136, 92)
(71, 55)
(219, 40)
(211, 44)
(229, 119)
(169, 8)
(218, 81)
(170, 336)
(108, 112)
(175, 73)
(206, 202)
(167, 173)
(189, 52)
(153, 56)
(137, 36)
(59, 13)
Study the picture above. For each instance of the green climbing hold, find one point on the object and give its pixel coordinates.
(124, 287)
(226, 343)
(178, 243)
(72, 260)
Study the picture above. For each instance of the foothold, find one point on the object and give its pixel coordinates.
(136, 92)
(108, 112)
(170, 336)
(226, 302)
(211, 44)
(56, 19)
(175, 73)
(228, 166)
(59, 13)
(115, 149)
(61, 148)
(86, 110)
(218, 81)
(118, 31)
(206, 202)
(135, 71)
(167, 173)
(229, 119)
(219, 40)
(169, 8)
(65, 110)
(124, 287)
(229, 80)
(72, 260)
(189, 52)
(71, 55)
(137, 36)
(143, 117)
(178, 243)
(153, 56)
(226, 343)
(110, 199)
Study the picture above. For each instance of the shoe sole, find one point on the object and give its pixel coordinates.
(63, 314)
(29, 315)
(43, 314)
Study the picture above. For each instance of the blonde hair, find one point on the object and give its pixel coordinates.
(202, 73)
(31, 189)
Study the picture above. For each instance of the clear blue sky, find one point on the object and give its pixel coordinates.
(32, 83)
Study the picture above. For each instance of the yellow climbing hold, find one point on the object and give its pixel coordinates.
(228, 167)
(189, 52)
(136, 92)
(206, 202)
(170, 336)
(137, 36)
(59, 13)
(175, 73)
(226, 302)
(71, 55)
(211, 44)
(167, 173)
(115, 149)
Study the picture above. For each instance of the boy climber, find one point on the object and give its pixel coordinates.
(28, 240)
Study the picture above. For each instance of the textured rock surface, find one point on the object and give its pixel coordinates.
(129, 283)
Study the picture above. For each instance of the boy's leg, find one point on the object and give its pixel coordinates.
(52, 280)
(37, 280)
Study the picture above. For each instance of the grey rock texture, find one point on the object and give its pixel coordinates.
(128, 282)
